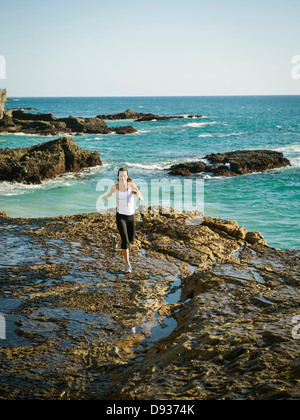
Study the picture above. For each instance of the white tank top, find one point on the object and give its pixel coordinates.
(125, 202)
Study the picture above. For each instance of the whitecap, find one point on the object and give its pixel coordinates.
(142, 132)
(147, 167)
(291, 152)
(20, 134)
(289, 148)
(203, 124)
(62, 181)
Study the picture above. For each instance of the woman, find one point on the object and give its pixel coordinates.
(125, 191)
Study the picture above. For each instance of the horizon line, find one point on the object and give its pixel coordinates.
(154, 96)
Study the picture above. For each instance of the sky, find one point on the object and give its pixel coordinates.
(150, 48)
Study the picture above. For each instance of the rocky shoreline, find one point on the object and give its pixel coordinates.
(45, 124)
(222, 301)
(18, 121)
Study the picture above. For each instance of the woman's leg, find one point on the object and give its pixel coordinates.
(131, 228)
(122, 227)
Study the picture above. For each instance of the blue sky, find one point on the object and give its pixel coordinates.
(143, 48)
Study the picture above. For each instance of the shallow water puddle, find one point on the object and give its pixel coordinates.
(243, 274)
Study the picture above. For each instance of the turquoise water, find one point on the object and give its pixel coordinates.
(266, 202)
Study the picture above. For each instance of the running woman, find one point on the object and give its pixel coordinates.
(125, 191)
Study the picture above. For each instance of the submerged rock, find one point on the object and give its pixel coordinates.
(31, 165)
(80, 328)
(233, 163)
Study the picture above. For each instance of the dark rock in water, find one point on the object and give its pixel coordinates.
(21, 115)
(233, 163)
(128, 129)
(180, 170)
(18, 121)
(127, 115)
(31, 165)
(188, 168)
(86, 125)
(139, 116)
(153, 117)
(247, 161)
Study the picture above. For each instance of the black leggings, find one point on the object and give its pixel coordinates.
(126, 228)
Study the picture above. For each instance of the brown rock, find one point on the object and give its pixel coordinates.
(31, 165)
(226, 325)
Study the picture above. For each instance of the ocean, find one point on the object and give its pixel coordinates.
(267, 202)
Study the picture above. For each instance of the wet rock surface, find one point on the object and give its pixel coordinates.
(31, 165)
(233, 163)
(205, 314)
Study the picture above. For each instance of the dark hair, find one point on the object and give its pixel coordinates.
(125, 170)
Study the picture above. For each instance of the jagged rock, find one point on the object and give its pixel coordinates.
(33, 164)
(127, 115)
(233, 163)
(255, 238)
(247, 161)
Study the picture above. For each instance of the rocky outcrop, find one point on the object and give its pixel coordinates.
(188, 168)
(16, 121)
(233, 163)
(139, 116)
(31, 165)
(19, 121)
(207, 313)
(3, 99)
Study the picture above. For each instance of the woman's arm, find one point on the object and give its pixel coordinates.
(136, 191)
(110, 193)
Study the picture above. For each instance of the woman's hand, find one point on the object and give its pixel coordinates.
(104, 198)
